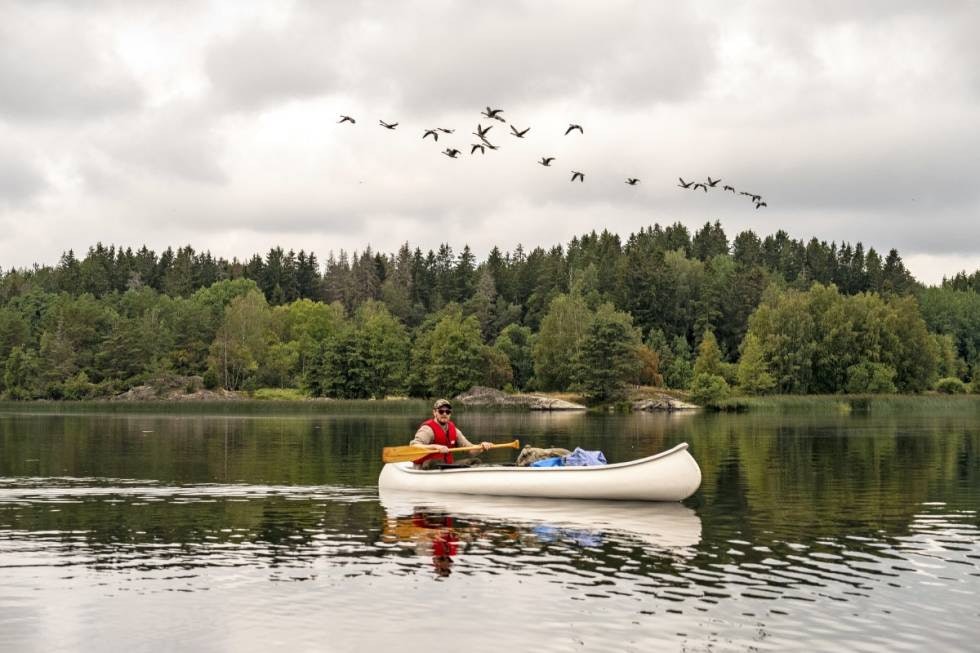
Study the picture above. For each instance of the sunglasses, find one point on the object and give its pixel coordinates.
(445, 411)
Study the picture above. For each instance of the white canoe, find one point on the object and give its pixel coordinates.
(672, 475)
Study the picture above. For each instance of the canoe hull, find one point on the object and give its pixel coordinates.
(669, 476)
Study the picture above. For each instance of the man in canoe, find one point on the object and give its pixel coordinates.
(439, 435)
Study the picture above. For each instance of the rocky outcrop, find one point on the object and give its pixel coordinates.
(177, 388)
(550, 403)
(481, 396)
(664, 403)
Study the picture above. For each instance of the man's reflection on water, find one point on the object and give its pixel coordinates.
(434, 534)
(439, 535)
(442, 543)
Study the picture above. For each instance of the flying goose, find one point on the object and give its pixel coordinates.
(451, 152)
(477, 146)
(572, 127)
(344, 118)
(546, 160)
(493, 114)
(632, 181)
(758, 204)
(714, 183)
(581, 177)
(703, 187)
(728, 188)
(431, 132)
(684, 184)
(519, 134)
(388, 125)
(481, 131)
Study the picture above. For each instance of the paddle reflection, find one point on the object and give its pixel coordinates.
(440, 526)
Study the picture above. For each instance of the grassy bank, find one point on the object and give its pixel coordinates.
(846, 404)
(256, 407)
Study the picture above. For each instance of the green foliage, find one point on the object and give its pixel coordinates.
(279, 394)
(516, 342)
(20, 377)
(678, 371)
(210, 380)
(870, 378)
(135, 346)
(447, 357)
(562, 329)
(241, 341)
(79, 387)
(606, 357)
(360, 359)
(14, 331)
(304, 325)
(951, 386)
(954, 310)
(382, 344)
(785, 328)
(801, 313)
(948, 363)
(497, 372)
(219, 295)
(341, 368)
(193, 326)
(809, 341)
(708, 389)
(709, 356)
(279, 365)
(753, 377)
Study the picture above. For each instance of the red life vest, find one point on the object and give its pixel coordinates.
(445, 544)
(440, 439)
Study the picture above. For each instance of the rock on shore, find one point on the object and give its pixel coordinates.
(481, 396)
(664, 403)
(177, 388)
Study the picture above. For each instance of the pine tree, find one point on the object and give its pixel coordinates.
(606, 359)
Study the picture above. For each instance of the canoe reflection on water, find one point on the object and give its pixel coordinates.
(438, 525)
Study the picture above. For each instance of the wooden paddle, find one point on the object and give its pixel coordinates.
(413, 453)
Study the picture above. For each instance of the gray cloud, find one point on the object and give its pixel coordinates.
(465, 56)
(855, 121)
(180, 144)
(51, 69)
(524, 54)
(261, 66)
(20, 179)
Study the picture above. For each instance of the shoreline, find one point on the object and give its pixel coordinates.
(771, 404)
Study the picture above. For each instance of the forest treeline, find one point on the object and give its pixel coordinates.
(664, 307)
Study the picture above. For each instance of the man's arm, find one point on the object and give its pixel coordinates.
(423, 437)
(461, 440)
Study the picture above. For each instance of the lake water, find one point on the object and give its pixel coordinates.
(209, 531)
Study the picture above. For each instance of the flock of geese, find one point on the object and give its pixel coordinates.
(484, 144)
(713, 183)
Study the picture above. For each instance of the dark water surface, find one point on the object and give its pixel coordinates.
(253, 532)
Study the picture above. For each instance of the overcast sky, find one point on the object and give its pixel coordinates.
(215, 124)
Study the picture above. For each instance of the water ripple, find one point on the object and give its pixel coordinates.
(117, 536)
